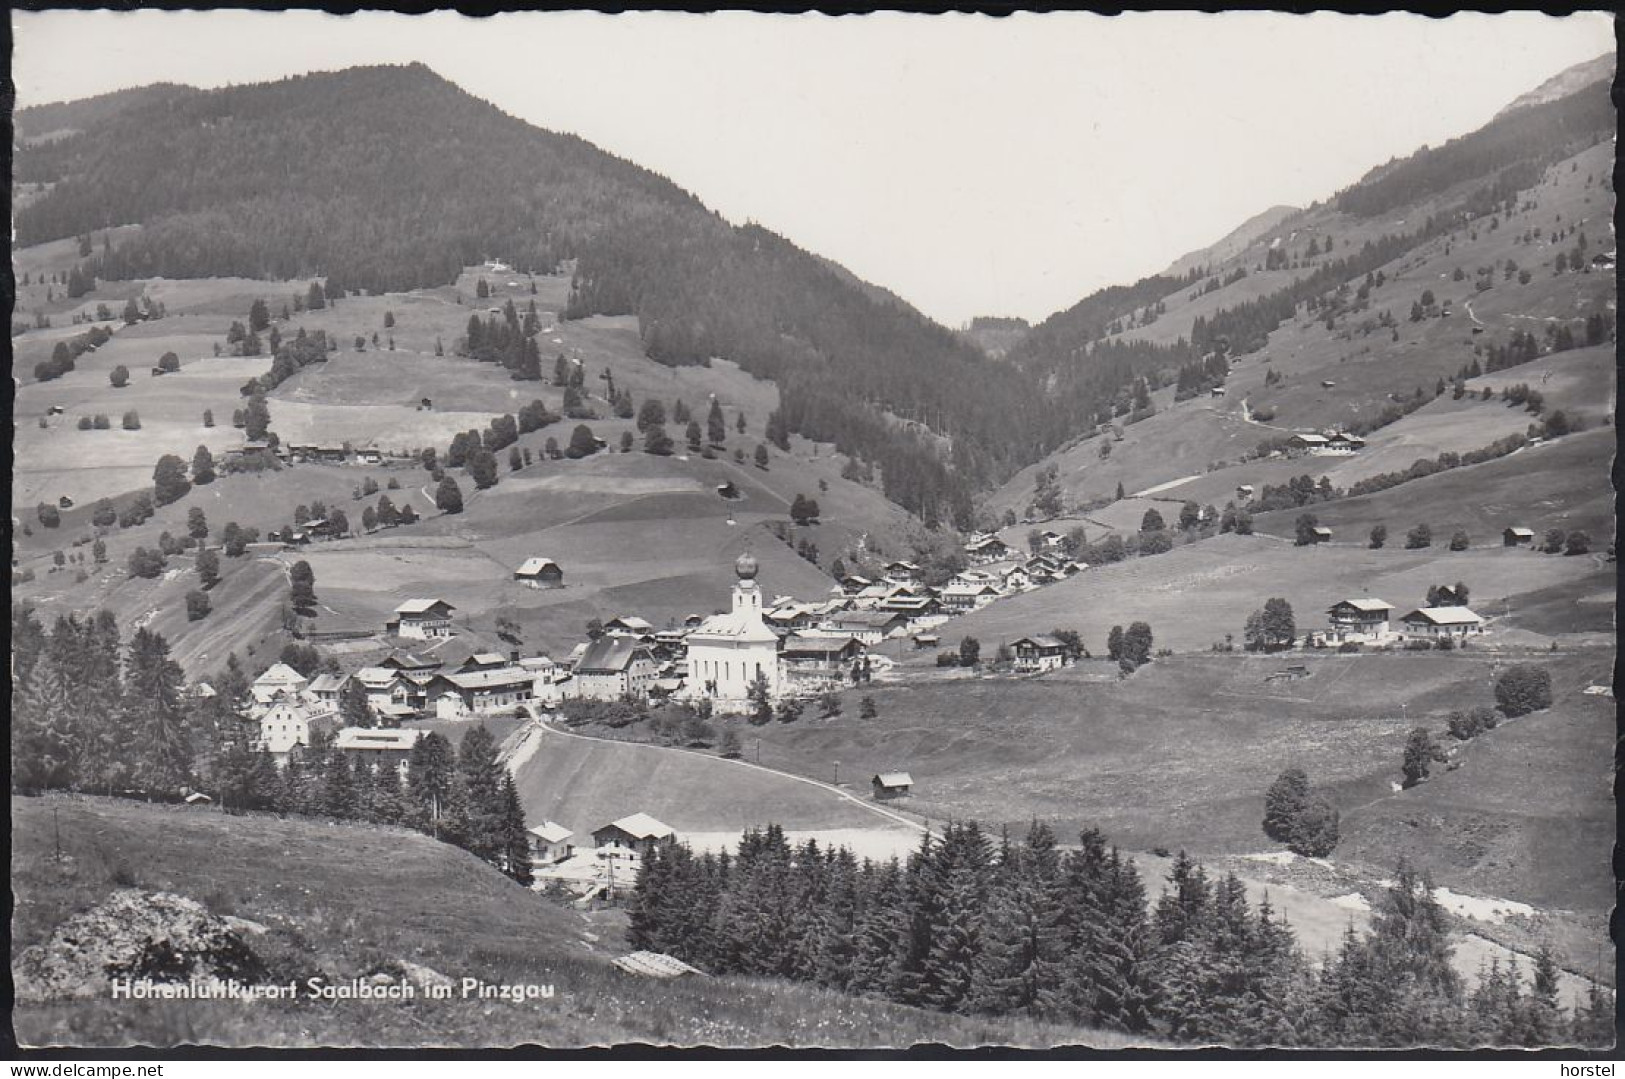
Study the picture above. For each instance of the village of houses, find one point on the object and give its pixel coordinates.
(788, 647)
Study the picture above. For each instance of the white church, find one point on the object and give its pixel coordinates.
(728, 652)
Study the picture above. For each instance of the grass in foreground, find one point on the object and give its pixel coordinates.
(342, 899)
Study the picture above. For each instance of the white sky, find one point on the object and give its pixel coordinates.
(973, 165)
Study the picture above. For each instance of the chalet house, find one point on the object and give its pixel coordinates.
(812, 662)
(540, 573)
(854, 583)
(1244, 492)
(903, 572)
(1517, 536)
(866, 627)
(379, 746)
(383, 685)
(925, 641)
(871, 596)
(612, 668)
(1301, 444)
(326, 688)
(422, 619)
(1363, 621)
(910, 605)
(1436, 623)
(670, 643)
(481, 692)
(1051, 538)
(1321, 533)
(550, 843)
(369, 457)
(279, 680)
(987, 549)
(632, 838)
(629, 625)
(1015, 579)
(789, 617)
(1339, 444)
(1040, 653)
(958, 597)
(888, 785)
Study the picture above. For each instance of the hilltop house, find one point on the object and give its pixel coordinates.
(1517, 536)
(1438, 623)
(1040, 653)
(550, 843)
(612, 668)
(888, 785)
(422, 619)
(379, 746)
(729, 652)
(480, 692)
(540, 573)
(1244, 493)
(632, 838)
(1363, 620)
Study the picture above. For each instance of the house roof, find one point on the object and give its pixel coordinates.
(1310, 439)
(1369, 604)
(280, 674)
(1444, 616)
(408, 661)
(328, 683)
(630, 621)
(536, 663)
(376, 676)
(863, 619)
(503, 676)
(487, 659)
(378, 738)
(551, 831)
(893, 779)
(969, 589)
(609, 655)
(422, 606)
(1042, 640)
(1322, 530)
(640, 826)
(1519, 530)
(988, 541)
(534, 566)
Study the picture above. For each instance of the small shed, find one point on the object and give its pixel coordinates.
(1321, 533)
(1518, 536)
(888, 785)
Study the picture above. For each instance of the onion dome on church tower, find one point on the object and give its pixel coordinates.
(745, 566)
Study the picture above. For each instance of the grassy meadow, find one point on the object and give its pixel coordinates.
(340, 900)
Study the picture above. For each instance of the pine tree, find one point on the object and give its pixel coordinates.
(153, 721)
(515, 839)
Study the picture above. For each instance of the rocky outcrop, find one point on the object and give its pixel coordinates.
(137, 935)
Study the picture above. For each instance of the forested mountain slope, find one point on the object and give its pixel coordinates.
(391, 178)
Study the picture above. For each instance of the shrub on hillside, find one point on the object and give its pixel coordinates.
(1419, 537)
(1523, 688)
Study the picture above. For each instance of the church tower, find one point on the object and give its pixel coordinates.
(728, 652)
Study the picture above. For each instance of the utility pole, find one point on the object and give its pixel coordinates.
(837, 773)
(56, 821)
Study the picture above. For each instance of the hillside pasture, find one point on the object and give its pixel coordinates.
(584, 783)
(1561, 484)
(1180, 754)
(1196, 594)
